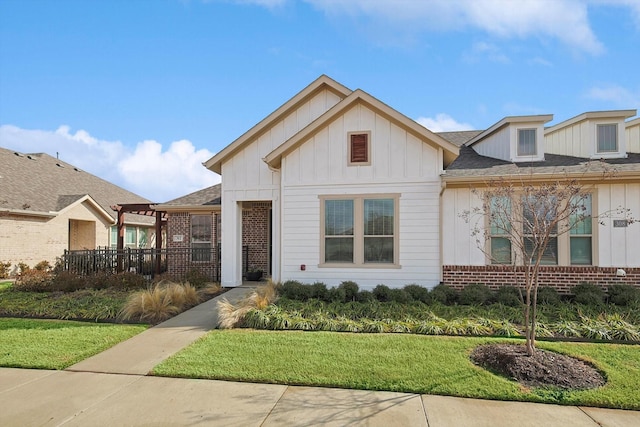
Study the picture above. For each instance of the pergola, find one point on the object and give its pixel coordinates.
(145, 209)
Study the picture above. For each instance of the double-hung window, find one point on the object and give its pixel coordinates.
(607, 136)
(500, 230)
(581, 232)
(201, 235)
(538, 216)
(359, 231)
(131, 237)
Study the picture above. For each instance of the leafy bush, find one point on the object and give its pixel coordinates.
(508, 295)
(475, 294)
(365, 296)
(418, 293)
(588, 294)
(382, 293)
(350, 290)
(292, 289)
(43, 266)
(5, 268)
(444, 294)
(196, 278)
(548, 296)
(319, 291)
(399, 296)
(623, 294)
(337, 294)
(66, 281)
(33, 281)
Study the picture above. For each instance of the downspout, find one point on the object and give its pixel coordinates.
(443, 186)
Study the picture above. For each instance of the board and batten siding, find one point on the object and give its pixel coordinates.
(579, 139)
(633, 136)
(401, 164)
(614, 246)
(497, 145)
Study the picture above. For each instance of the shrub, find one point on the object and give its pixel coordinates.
(126, 281)
(382, 293)
(23, 267)
(623, 294)
(444, 294)
(588, 294)
(294, 290)
(5, 268)
(196, 278)
(43, 266)
(66, 281)
(319, 291)
(350, 290)
(33, 281)
(508, 295)
(365, 296)
(418, 293)
(475, 294)
(337, 295)
(399, 296)
(548, 296)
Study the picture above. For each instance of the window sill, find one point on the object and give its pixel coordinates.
(364, 266)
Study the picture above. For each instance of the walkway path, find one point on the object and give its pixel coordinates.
(112, 388)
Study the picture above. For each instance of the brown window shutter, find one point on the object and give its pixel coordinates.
(359, 148)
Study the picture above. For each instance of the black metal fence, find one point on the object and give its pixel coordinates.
(176, 262)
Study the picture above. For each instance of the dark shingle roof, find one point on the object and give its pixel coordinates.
(470, 163)
(205, 197)
(459, 137)
(41, 183)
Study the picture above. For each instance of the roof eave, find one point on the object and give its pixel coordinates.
(592, 115)
(541, 118)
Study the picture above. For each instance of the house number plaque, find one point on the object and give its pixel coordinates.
(619, 223)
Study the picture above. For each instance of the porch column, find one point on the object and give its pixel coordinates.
(231, 242)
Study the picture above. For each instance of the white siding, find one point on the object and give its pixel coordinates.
(496, 145)
(400, 164)
(459, 247)
(633, 137)
(618, 247)
(579, 139)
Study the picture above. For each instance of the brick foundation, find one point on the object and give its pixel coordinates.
(563, 279)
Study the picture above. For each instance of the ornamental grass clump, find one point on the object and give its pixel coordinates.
(231, 315)
(160, 302)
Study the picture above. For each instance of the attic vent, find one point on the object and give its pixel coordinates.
(18, 154)
(30, 157)
(77, 170)
(59, 165)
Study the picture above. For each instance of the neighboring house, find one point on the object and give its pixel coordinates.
(521, 149)
(351, 189)
(48, 206)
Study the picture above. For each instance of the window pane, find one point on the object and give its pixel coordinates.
(338, 218)
(338, 249)
(607, 138)
(545, 212)
(550, 255)
(526, 142)
(130, 236)
(200, 228)
(581, 250)
(114, 236)
(142, 238)
(378, 249)
(378, 217)
(201, 252)
(500, 250)
(499, 215)
(581, 222)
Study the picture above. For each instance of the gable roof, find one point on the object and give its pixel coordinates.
(590, 115)
(274, 158)
(459, 137)
(321, 83)
(38, 184)
(206, 198)
(541, 118)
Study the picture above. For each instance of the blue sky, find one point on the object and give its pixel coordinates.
(141, 92)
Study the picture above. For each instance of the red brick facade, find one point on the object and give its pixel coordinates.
(179, 237)
(255, 233)
(560, 278)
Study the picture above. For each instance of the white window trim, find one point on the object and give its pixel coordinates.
(621, 152)
(539, 156)
(358, 234)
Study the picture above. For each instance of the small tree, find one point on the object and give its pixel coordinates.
(523, 217)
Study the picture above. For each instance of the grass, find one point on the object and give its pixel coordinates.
(394, 362)
(55, 344)
(4, 285)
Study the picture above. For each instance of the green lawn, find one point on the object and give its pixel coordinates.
(394, 362)
(55, 344)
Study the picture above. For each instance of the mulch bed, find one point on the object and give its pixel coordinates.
(543, 369)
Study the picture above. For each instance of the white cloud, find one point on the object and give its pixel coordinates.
(616, 95)
(481, 50)
(148, 170)
(443, 123)
(522, 18)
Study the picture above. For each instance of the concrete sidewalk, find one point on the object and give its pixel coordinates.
(112, 388)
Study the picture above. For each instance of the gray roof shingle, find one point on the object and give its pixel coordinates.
(41, 183)
(205, 197)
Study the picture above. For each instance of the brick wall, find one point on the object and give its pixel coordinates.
(255, 233)
(179, 264)
(561, 278)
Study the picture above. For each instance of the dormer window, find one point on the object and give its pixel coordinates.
(527, 142)
(359, 148)
(607, 138)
